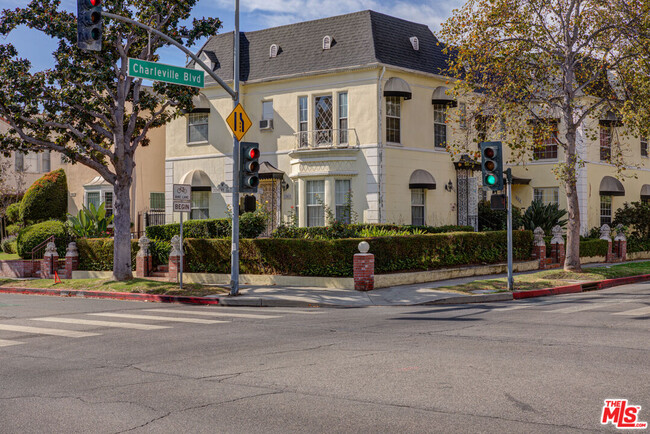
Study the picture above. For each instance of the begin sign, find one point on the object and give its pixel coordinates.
(167, 73)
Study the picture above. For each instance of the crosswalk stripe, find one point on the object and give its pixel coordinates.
(635, 312)
(213, 313)
(42, 331)
(158, 318)
(526, 305)
(124, 325)
(590, 306)
(270, 310)
(6, 343)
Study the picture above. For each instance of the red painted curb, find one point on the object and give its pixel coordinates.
(570, 289)
(112, 295)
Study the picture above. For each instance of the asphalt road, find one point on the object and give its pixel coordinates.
(544, 365)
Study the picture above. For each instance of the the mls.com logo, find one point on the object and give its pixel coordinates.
(621, 415)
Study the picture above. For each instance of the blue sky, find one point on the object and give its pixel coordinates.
(254, 15)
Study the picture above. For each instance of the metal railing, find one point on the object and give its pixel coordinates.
(331, 138)
(39, 251)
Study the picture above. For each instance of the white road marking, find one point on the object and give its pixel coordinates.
(526, 305)
(213, 313)
(42, 331)
(635, 312)
(124, 325)
(6, 343)
(158, 318)
(589, 306)
(270, 310)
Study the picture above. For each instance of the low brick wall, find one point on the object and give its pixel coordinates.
(19, 268)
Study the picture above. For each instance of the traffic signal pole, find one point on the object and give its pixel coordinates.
(509, 227)
(234, 253)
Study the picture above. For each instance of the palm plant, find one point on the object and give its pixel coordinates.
(546, 216)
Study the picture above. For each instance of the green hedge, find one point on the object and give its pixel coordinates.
(588, 247)
(637, 244)
(46, 198)
(96, 254)
(338, 230)
(251, 225)
(13, 213)
(334, 257)
(32, 236)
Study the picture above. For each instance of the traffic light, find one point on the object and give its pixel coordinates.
(492, 165)
(89, 25)
(249, 167)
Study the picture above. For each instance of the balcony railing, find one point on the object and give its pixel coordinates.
(318, 139)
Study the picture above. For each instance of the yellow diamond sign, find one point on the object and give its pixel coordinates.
(239, 122)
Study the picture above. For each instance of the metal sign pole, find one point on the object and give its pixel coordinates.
(181, 252)
(234, 255)
(509, 197)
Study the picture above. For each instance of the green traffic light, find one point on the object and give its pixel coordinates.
(491, 179)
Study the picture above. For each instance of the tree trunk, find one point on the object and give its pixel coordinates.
(122, 230)
(572, 246)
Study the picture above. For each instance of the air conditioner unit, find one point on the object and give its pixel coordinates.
(266, 124)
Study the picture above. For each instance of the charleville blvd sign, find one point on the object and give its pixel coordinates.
(167, 73)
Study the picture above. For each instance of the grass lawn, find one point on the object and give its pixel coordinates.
(552, 278)
(143, 286)
(8, 256)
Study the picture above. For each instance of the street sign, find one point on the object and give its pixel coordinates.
(182, 192)
(182, 206)
(239, 122)
(167, 73)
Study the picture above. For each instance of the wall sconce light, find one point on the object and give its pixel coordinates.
(449, 186)
(285, 185)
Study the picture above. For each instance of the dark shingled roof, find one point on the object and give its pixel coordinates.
(358, 39)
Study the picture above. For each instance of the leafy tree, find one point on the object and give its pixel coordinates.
(545, 216)
(524, 65)
(496, 219)
(87, 107)
(635, 216)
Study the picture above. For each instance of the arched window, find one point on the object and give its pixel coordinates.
(327, 42)
(415, 42)
(273, 51)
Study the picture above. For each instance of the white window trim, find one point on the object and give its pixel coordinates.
(187, 131)
(394, 117)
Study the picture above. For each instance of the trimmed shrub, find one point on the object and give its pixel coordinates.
(496, 219)
(251, 225)
(32, 236)
(308, 257)
(8, 244)
(97, 253)
(593, 247)
(13, 213)
(46, 199)
(339, 230)
(13, 229)
(637, 244)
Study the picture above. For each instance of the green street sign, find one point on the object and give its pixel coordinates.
(167, 73)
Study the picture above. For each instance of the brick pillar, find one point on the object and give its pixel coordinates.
(620, 244)
(71, 260)
(557, 246)
(604, 235)
(175, 259)
(143, 260)
(50, 261)
(364, 268)
(539, 247)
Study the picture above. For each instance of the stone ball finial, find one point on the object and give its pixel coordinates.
(557, 235)
(144, 246)
(539, 237)
(605, 232)
(364, 247)
(50, 249)
(72, 249)
(176, 246)
(620, 233)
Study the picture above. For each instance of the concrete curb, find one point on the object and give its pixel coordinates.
(583, 287)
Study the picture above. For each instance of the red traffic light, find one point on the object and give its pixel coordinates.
(95, 2)
(253, 153)
(489, 152)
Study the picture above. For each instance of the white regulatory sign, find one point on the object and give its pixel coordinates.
(182, 206)
(183, 192)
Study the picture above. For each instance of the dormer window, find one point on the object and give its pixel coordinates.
(327, 42)
(415, 43)
(273, 51)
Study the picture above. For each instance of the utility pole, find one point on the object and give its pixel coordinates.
(509, 228)
(234, 254)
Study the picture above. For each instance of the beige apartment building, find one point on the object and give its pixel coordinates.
(358, 103)
(85, 186)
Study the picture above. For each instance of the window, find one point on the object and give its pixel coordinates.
(200, 204)
(327, 43)
(547, 195)
(315, 195)
(30, 164)
(94, 198)
(440, 126)
(343, 118)
(417, 206)
(46, 161)
(342, 190)
(415, 43)
(197, 127)
(462, 115)
(19, 161)
(156, 201)
(324, 122)
(606, 210)
(108, 203)
(644, 147)
(267, 109)
(546, 142)
(273, 50)
(605, 142)
(393, 119)
(303, 116)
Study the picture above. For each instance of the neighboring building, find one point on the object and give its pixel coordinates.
(349, 103)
